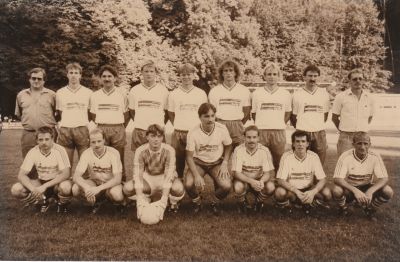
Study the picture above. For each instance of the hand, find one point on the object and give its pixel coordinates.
(37, 193)
(199, 183)
(257, 185)
(361, 197)
(300, 195)
(91, 193)
(369, 196)
(309, 197)
(140, 204)
(161, 205)
(223, 172)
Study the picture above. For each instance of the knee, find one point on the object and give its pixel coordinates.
(75, 190)
(387, 192)
(188, 181)
(65, 187)
(116, 194)
(280, 194)
(337, 192)
(225, 185)
(177, 188)
(129, 188)
(326, 193)
(18, 190)
(269, 188)
(239, 187)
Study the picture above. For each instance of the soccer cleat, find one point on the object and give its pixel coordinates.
(345, 211)
(259, 207)
(96, 208)
(62, 208)
(44, 207)
(173, 208)
(243, 208)
(196, 208)
(370, 213)
(307, 209)
(215, 208)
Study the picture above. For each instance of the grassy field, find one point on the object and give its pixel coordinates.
(79, 235)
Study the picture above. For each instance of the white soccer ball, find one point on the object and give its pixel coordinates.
(150, 214)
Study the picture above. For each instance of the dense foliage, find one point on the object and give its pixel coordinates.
(336, 35)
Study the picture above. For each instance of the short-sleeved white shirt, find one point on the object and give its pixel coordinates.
(108, 107)
(149, 104)
(48, 166)
(252, 164)
(208, 147)
(354, 113)
(230, 102)
(101, 168)
(300, 173)
(310, 109)
(359, 172)
(185, 105)
(74, 105)
(270, 107)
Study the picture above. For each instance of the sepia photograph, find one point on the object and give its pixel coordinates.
(200, 130)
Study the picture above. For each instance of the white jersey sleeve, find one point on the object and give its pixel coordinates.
(83, 162)
(284, 167)
(379, 168)
(29, 161)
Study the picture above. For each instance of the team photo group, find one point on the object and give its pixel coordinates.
(210, 137)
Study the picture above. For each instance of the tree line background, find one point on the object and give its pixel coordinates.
(336, 35)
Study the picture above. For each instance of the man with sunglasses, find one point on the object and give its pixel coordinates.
(36, 107)
(352, 111)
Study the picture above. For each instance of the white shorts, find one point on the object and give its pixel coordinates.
(157, 183)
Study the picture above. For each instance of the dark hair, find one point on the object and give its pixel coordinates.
(229, 63)
(360, 134)
(251, 128)
(37, 70)
(108, 68)
(44, 130)
(155, 130)
(312, 68)
(205, 107)
(300, 133)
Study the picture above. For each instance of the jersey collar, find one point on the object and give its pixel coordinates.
(311, 92)
(102, 154)
(205, 132)
(298, 158)
(357, 158)
(74, 90)
(187, 91)
(109, 93)
(229, 88)
(271, 92)
(149, 87)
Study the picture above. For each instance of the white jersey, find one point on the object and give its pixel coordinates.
(252, 164)
(49, 165)
(185, 105)
(359, 172)
(108, 107)
(149, 104)
(353, 112)
(300, 173)
(270, 107)
(230, 102)
(74, 105)
(310, 109)
(208, 147)
(101, 168)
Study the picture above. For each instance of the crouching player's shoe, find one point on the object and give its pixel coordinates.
(173, 208)
(216, 209)
(259, 207)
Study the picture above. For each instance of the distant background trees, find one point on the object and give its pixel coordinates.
(336, 35)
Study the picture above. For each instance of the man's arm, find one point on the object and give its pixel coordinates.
(267, 175)
(380, 182)
(310, 194)
(198, 180)
(246, 114)
(358, 194)
(287, 116)
(78, 179)
(64, 175)
(336, 120)
(171, 116)
(25, 180)
(116, 180)
(286, 185)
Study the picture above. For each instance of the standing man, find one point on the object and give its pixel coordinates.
(53, 168)
(354, 177)
(298, 171)
(310, 111)
(271, 110)
(231, 100)
(109, 110)
(183, 104)
(35, 107)
(207, 152)
(72, 103)
(352, 111)
(147, 104)
(253, 170)
(104, 167)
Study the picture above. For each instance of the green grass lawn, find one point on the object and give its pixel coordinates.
(79, 235)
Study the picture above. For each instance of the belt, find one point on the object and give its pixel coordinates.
(100, 124)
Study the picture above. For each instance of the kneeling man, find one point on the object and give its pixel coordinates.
(361, 175)
(253, 170)
(298, 170)
(154, 174)
(53, 168)
(208, 149)
(104, 168)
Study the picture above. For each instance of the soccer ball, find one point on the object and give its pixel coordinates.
(150, 214)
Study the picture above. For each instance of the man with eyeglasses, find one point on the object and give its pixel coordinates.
(352, 111)
(36, 107)
(271, 109)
